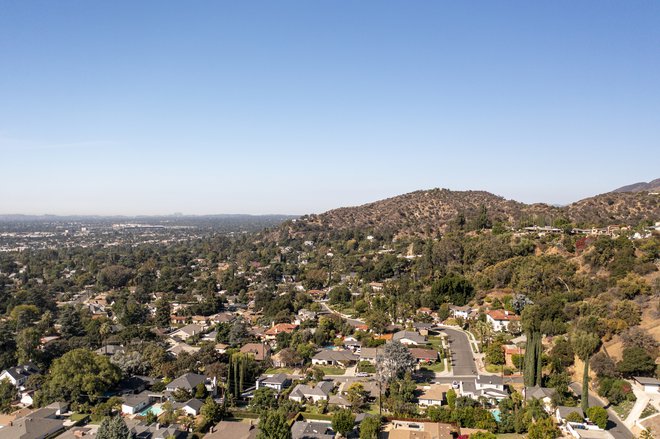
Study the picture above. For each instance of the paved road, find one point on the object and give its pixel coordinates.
(614, 425)
(461, 353)
(327, 309)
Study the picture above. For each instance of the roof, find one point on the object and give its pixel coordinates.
(194, 404)
(409, 335)
(370, 352)
(136, 400)
(424, 354)
(565, 411)
(233, 430)
(190, 329)
(21, 372)
(259, 350)
(187, 381)
(311, 430)
(322, 389)
(37, 425)
(539, 392)
(435, 392)
(422, 430)
(499, 314)
(278, 378)
(646, 381)
(280, 327)
(339, 355)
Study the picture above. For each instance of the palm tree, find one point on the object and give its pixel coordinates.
(585, 344)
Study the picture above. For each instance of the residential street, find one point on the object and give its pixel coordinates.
(615, 426)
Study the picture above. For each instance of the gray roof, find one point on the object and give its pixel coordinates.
(187, 381)
(539, 392)
(311, 430)
(340, 355)
(565, 411)
(22, 372)
(278, 379)
(39, 424)
(194, 404)
(136, 400)
(410, 335)
(322, 389)
(646, 381)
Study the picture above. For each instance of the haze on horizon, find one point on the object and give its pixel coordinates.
(296, 107)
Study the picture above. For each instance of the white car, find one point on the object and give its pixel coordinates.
(362, 374)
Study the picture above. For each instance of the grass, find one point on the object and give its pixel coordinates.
(275, 370)
(623, 410)
(438, 366)
(493, 368)
(316, 416)
(332, 370)
(79, 417)
(436, 342)
(648, 411)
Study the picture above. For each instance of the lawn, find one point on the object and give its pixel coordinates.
(493, 368)
(332, 370)
(438, 366)
(436, 342)
(623, 410)
(273, 371)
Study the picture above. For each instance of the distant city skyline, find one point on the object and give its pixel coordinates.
(295, 107)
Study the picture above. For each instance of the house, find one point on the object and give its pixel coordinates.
(462, 312)
(339, 401)
(190, 381)
(409, 338)
(134, 404)
(143, 430)
(187, 331)
(489, 386)
(543, 394)
(341, 358)
(424, 355)
(649, 385)
(260, 351)
(192, 407)
(110, 350)
(202, 321)
(509, 351)
(501, 319)
(179, 320)
(233, 430)
(271, 333)
(221, 348)
(179, 348)
(222, 317)
(352, 344)
(399, 429)
(562, 412)
(423, 328)
(19, 375)
(305, 315)
(320, 392)
(370, 354)
(279, 360)
(312, 430)
(433, 395)
(39, 424)
(277, 382)
(376, 286)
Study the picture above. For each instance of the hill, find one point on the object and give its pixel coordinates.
(431, 211)
(653, 186)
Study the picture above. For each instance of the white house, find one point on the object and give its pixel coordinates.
(649, 385)
(134, 404)
(409, 338)
(277, 382)
(433, 395)
(460, 311)
(342, 358)
(501, 319)
(320, 392)
(187, 331)
(18, 375)
(488, 386)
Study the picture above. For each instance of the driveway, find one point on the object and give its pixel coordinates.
(614, 425)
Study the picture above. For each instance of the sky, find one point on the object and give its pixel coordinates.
(155, 107)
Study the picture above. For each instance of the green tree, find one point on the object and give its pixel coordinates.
(636, 361)
(343, 422)
(598, 416)
(483, 435)
(370, 427)
(273, 425)
(8, 394)
(264, 399)
(77, 376)
(27, 345)
(585, 344)
(212, 411)
(543, 429)
(163, 313)
(451, 398)
(113, 428)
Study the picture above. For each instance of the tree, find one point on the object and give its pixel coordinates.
(79, 375)
(27, 345)
(273, 425)
(585, 344)
(636, 361)
(646, 434)
(357, 396)
(70, 322)
(394, 361)
(163, 313)
(543, 429)
(113, 428)
(370, 427)
(212, 411)
(603, 365)
(495, 354)
(483, 435)
(574, 417)
(238, 333)
(598, 416)
(343, 422)
(451, 398)
(114, 276)
(264, 399)
(532, 319)
(8, 394)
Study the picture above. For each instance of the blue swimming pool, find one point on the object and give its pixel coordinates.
(496, 414)
(156, 409)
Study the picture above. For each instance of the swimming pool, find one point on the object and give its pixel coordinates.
(156, 409)
(496, 414)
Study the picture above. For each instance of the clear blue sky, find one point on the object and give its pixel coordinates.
(150, 107)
